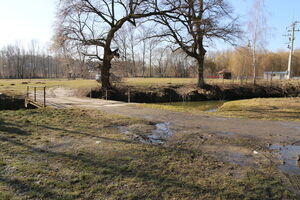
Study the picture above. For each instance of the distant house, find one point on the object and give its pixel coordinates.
(98, 77)
(275, 75)
(225, 74)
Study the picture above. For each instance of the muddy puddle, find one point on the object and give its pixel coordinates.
(289, 155)
(240, 159)
(233, 154)
(150, 134)
(226, 133)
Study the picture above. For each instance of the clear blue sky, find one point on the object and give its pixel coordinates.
(25, 20)
(281, 13)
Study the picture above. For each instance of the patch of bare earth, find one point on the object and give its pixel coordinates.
(241, 142)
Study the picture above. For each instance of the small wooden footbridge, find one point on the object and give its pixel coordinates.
(35, 97)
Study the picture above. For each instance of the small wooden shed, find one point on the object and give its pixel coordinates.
(276, 75)
(225, 74)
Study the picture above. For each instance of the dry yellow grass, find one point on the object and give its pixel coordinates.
(46, 154)
(19, 86)
(263, 108)
(158, 81)
(287, 109)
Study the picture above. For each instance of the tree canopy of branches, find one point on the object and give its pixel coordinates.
(196, 23)
(94, 24)
(257, 30)
(17, 61)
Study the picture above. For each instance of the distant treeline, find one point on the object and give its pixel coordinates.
(239, 62)
(33, 62)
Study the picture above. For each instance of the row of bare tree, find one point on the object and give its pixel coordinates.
(94, 26)
(35, 61)
(140, 61)
(240, 62)
(145, 38)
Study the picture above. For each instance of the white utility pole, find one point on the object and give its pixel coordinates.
(291, 47)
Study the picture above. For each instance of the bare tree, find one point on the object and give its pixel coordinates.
(143, 35)
(197, 22)
(163, 56)
(132, 45)
(257, 30)
(153, 42)
(122, 40)
(180, 63)
(94, 23)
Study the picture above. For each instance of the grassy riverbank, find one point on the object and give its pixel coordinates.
(263, 108)
(286, 109)
(18, 86)
(46, 154)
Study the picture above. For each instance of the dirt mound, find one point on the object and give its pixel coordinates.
(60, 92)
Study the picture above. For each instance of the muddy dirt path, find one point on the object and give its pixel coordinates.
(263, 136)
(269, 131)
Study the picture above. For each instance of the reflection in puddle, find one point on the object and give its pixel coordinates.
(227, 133)
(123, 129)
(289, 154)
(160, 134)
(156, 136)
(239, 159)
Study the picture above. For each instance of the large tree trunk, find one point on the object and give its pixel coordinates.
(105, 74)
(200, 60)
(200, 82)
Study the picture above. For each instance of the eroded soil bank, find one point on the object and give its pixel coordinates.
(11, 103)
(175, 93)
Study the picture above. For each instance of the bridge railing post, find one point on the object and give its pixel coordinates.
(27, 94)
(35, 94)
(128, 95)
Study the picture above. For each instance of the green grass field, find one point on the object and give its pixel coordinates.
(45, 154)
